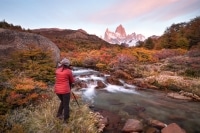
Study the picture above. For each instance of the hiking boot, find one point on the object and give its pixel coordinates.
(66, 121)
(60, 117)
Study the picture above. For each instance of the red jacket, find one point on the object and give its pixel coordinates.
(63, 80)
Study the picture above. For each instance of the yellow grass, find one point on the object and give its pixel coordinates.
(42, 119)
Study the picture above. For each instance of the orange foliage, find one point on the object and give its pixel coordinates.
(27, 84)
(24, 91)
(101, 66)
(107, 55)
(13, 96)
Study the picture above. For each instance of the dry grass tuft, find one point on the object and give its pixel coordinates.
(42, 119)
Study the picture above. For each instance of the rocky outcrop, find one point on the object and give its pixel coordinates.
(11, 41)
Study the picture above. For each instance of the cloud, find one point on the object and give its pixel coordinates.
(128, 10)
(177, 9)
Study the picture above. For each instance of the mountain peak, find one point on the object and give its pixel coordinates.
(120, 37)
(121, 30)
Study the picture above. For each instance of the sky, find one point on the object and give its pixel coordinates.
(147, 17)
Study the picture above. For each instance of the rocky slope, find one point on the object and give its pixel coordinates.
(78, 39)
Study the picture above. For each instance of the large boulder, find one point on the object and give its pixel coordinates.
(11, 41)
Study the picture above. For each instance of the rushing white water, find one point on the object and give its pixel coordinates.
(89, 93)
(125, 98)
(91, 79)
(116, 88)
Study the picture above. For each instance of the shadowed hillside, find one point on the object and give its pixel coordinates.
(73, 40)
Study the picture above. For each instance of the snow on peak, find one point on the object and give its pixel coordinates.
(120, 37)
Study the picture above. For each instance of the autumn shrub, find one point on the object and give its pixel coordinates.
(143, 55)
(101, 66)
(76, 62)
(3, 123)
(24, 92)
(173, 67)
(6, 74)
(125, 59)
(168, 85)
(194, 52)
(34, 63)
(192, 73)
(168, 53)
(16, 128)
(184, 65)
(90, 61)
(22, 78)
(121, 74)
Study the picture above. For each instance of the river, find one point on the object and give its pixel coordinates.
(128, 102)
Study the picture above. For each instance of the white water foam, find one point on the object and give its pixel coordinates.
(83, 71)
(91, 77)
(129, 86)
(89, 93)
(96, 78)
(116, 88)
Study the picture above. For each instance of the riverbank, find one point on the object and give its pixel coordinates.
(179, 75)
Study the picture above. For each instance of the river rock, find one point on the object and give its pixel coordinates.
(173, 128)
(152, 130)
(114, 81)
(83, 85)
(178, 96)
(113, 120)
(80, 84)
(157, 123)
(100, 85)
(132, 125)
(103, 122)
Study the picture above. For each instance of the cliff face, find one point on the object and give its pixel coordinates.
(10, 41)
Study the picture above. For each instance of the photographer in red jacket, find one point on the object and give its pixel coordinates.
(64, 80)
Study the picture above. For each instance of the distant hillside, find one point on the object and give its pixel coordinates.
(72, 40)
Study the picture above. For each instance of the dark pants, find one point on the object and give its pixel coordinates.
(64, 105)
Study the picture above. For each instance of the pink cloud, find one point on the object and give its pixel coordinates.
(179, 8)
(128, 10)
